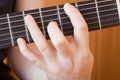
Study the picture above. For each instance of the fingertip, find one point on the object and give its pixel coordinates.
(28, 19)
(66, 6)
(69, 9)
(21, 43)
(51, 25)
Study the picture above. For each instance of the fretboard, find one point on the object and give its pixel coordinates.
(98, 14)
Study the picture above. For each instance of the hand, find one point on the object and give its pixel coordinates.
(64, 60)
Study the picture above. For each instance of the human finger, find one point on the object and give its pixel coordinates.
(57, 38)
(28, 54)
(79, 24)
(37, 36)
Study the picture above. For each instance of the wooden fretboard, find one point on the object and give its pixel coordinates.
(98, 14)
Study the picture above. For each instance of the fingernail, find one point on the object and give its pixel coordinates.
(52, 23)
(19, 41)
(67, 6)
(28, 19)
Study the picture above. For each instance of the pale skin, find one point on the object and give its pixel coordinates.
(64, 60)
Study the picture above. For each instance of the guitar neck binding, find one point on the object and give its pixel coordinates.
(118, 5)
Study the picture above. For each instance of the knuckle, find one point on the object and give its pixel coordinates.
(82, 27)
(61, 44)
(87, 57)
(44, 49)
(34, 62)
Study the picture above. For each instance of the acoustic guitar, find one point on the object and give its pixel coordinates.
(99, 14)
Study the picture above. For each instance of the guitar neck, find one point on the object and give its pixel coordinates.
(98, 14)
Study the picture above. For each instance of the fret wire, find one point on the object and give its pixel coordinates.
(11, 36)
(60, 8)
(76, 5)
(41, 17)
(26, 29)
(63, 13)
(97, 9)
(59, 18)
(19, 32)
(56, 19)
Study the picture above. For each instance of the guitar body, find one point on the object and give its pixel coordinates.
(105, 45)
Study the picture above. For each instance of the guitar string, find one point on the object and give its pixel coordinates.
(19, 32)
(56, 18)
(62, 8)
(102, 6)
(7, 44)
(63, 18)
(13, 27)
(58, 24)
(46, 27)
(63, 24)
(51, 14)
(34, 13)
(69, 23)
